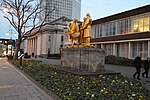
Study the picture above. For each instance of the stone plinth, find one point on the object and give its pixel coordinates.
(83, 59)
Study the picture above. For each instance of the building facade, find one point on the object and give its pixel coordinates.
(68, 8)
(126, 34)
(48, 40)
(7, 47)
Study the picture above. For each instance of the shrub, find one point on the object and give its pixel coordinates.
(111, 59)
(55, 55)
(9, 57)
(26, 55)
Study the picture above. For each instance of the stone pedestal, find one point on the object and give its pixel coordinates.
(83, 59)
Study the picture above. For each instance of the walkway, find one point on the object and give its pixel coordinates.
(15, 86)
(124, 70)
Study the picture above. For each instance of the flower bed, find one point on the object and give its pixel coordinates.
(73, 87)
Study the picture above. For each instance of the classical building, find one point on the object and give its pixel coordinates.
(125, 34)
(48, 40)
(68, 8)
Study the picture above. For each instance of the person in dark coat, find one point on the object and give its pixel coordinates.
(146, 67)
(138, 65)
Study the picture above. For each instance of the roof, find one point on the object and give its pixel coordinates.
(125, 14)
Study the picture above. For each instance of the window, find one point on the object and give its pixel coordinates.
(108, 49)
(135, 25)
(141, 24)
(146, 23)
(114, 28)
(122, 50)
(97, 31)
(140, 48)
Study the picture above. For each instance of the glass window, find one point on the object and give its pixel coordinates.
(134, 50)
(114, 28)
(146, 23)
(108, 49)
(145, 49)
(141, 24)
(100, 30)
(129, 25)
(97, 32)
(139, 48)
(135, 25)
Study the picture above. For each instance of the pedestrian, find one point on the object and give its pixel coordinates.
(146, 67)
(138, 65)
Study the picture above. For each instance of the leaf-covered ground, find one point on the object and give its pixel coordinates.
(73, 87)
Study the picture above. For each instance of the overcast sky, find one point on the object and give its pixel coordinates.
(97, 9)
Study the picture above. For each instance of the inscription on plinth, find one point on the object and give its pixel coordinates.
(83, 59)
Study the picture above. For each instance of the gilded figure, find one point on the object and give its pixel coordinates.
(86, 32)
(73, 31)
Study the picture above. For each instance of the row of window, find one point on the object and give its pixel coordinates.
(122, 49)
(133, 24)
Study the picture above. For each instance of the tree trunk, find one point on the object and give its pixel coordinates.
(18, 43)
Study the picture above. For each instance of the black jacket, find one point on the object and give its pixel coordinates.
(138, 62)
(146, 64)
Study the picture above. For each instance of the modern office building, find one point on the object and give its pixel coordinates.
(125, 34)
(68, 8)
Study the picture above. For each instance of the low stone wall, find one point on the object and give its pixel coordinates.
(83, 59)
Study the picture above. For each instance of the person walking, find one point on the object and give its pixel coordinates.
(138, 65)
(146, 67)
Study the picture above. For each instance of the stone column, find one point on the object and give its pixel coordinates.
(129, 50)
(35, 45)
(148, 48)
(102, 46)
(114, 49)
(29, 47)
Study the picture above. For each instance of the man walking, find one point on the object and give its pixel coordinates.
(146, 67)
(137, 64)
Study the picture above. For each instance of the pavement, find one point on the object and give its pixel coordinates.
(124, 70)
(16, 86)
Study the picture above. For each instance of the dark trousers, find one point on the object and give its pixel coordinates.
(138, 70)
(146, 72)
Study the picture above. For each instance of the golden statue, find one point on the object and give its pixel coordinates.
(86, 32)
(73, 31)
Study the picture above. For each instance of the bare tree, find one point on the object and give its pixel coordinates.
(23, 16)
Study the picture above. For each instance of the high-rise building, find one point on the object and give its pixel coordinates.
(68, 8)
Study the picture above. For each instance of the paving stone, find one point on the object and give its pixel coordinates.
(15, 86)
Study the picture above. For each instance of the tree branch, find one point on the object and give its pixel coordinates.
(11, 22)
